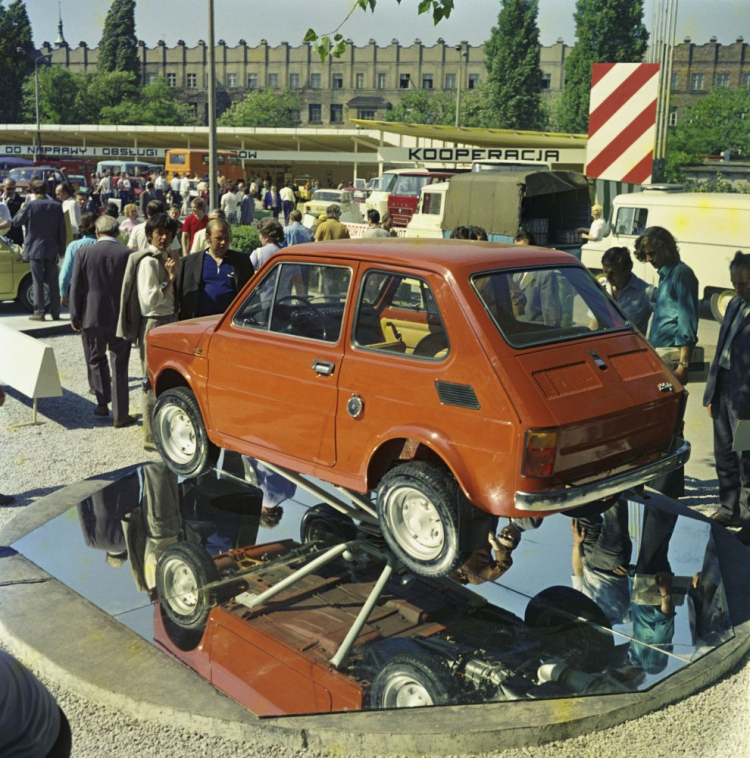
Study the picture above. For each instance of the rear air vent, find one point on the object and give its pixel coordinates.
(462, 395)
(634, 365)
(566, 380)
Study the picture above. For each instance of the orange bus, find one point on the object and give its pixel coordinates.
(196, 162)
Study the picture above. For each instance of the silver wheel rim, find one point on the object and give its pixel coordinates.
(404, 691)
(724, 300)
(180, 586)
(177, 434)
(415, 523)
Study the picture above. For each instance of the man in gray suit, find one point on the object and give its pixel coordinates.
(727, 397)
(43, 245)
(95, 289)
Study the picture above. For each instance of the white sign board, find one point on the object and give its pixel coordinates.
(28, 364)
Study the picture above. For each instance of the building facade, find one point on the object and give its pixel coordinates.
(368, 81)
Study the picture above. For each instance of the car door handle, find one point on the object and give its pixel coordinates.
(324, 368)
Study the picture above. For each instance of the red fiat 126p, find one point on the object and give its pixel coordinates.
(457, 380)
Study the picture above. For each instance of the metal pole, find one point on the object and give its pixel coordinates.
(36, 93)
(212, 157)
(458, 87)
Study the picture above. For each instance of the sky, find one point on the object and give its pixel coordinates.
(288, 20)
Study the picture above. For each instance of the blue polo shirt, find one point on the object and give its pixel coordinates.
(219, 287)
(675, 321)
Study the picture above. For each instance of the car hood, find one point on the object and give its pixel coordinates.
(183, 336)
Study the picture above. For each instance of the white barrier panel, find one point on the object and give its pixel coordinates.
(28, 365)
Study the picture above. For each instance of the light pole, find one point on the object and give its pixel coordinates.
(36, 60)
(213, 187)
(463, 54)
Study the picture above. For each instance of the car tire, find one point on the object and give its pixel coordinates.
(719, 302)
(323, 523)
(180, 434)
(182, 573)
(26, 294)
(411, 680)
(579, 630)
(430, 497)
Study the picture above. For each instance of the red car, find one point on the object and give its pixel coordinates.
(457, 380)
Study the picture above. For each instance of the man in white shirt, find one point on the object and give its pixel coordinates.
(160, 186)
(185, 191)
(174, 186)
(229, 205)
(287, 201)
(70, 207)
(138, 239)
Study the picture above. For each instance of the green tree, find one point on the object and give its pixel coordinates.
(422, 106)
(154, 105)
(60, 96)
(266, 108)
(607, 31)
(514, 78)
(118, 49)
(717, 122)
(15, 32)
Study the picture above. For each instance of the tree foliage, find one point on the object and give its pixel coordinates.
(102, 98)
(439, 108)
(717, 122)
(333, 43)
(607, 31)
(514, 78)
(15, 32)
(266, 108)
(118, 49)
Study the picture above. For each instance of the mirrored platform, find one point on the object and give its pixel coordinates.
(290, 607)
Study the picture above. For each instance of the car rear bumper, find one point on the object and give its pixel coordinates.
(572, 497)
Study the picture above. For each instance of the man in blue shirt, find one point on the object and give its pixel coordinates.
(675, 321)
(296, 233)
(633, 295)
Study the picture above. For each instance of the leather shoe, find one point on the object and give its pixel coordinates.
(119, 423)
(37, 317)
(724, 519)
(7, 499)
(102, 411)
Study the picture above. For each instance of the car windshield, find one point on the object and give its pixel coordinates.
(410, 185)
(327, 197)
(539, 305)
(387, 182)
(26, 174)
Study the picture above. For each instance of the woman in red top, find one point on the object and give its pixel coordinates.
(193, 224)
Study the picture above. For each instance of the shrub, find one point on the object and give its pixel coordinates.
(245, 239)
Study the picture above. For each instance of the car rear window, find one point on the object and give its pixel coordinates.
(534, 306)
(327, 197)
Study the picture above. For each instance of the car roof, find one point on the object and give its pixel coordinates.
(442, 256)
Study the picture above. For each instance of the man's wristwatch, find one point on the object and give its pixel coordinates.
(684, 364)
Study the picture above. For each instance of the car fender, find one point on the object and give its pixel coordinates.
(191, 369)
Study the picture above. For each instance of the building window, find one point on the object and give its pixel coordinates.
(192, 81)
(171, 80)
(315, 81)
(151, 77)
(293, 81)
(546, 81)
(473, 81)
(337, 81)
(314, 113)
(404, 80)
(231, 81)
(722, 80)
(359, 81)
(427, 81)
(337, 114)
(696, 81)
(273, 81)
(673, 82)
(381, 81)
(450, 81)
(672, 116)
(252, 81)
(366, 115)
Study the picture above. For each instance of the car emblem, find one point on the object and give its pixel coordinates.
(665, 387)
(355, 406)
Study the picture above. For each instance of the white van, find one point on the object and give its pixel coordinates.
(709, 229)
(426, 222)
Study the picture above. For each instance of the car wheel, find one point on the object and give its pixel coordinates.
(577, 629)
(182, 573)
(180, 434)
(418, 509)
(26, 294)
(411, 680)
(719, 302)
(323, 523)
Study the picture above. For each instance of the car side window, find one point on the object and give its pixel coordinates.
(631, 221)
(256, 310)
(399, 314)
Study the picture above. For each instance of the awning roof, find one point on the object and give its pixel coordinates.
(480, 137)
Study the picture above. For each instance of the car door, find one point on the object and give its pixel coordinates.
(274, 366)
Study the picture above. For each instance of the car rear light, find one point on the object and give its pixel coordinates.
(540, 449)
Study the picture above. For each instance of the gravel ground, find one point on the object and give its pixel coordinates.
(73, 445)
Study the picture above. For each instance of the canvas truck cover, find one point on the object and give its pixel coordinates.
(492, 200)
